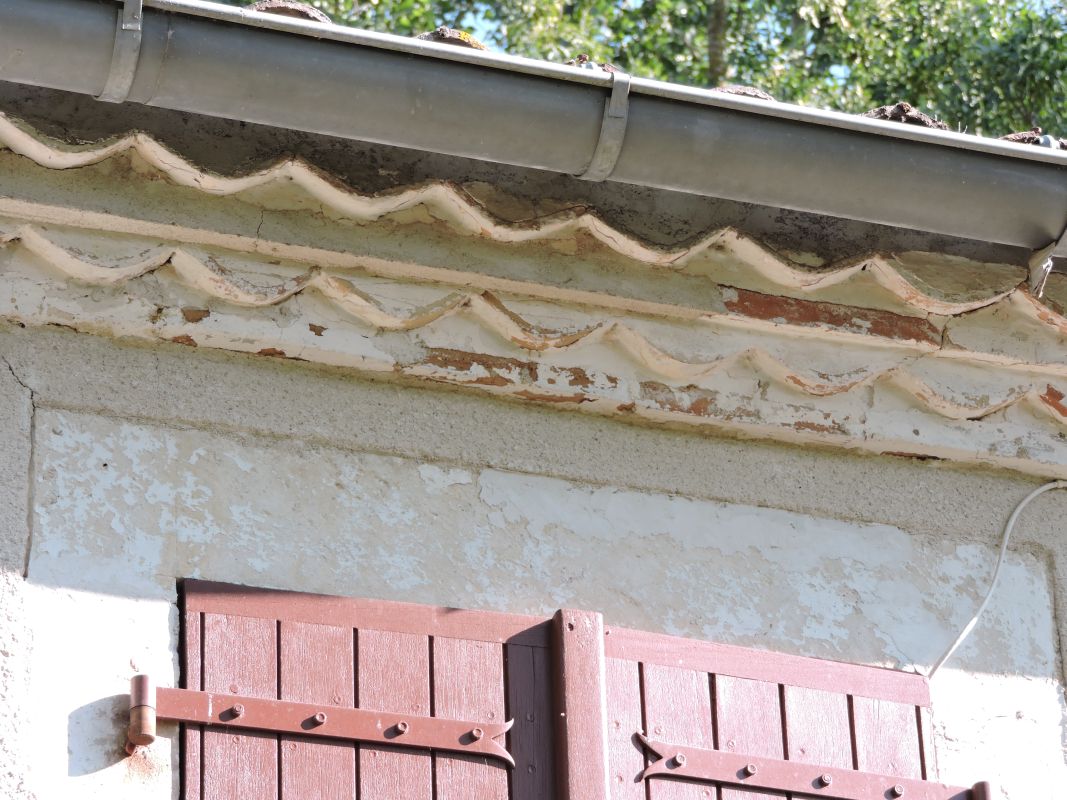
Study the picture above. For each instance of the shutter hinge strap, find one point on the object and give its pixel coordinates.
(127, 53)
(148, 704)
(756, 773)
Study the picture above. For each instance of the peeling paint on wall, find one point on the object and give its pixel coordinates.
(915, 353)
(185, 503)
(835, 387)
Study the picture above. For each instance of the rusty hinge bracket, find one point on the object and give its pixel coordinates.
(148, 704)
(717, 766)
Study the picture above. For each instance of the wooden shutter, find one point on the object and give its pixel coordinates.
(599, 713)
(753, 724)
(414, 661)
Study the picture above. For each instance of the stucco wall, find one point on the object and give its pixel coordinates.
(16, 639)
(150, 464)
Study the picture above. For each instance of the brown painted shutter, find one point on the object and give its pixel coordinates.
(769, 713)
(414, 660)
(718, 722)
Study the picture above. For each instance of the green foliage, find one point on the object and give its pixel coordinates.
(985, 66)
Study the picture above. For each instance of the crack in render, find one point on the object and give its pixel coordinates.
(1055, 557)
(952, 318)
(15, 375)
(30, 464)
(31, 468)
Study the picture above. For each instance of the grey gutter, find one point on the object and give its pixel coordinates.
(228, 62)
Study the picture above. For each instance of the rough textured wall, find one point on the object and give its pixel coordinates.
(151, 463)
(137, 482)
(15, 635)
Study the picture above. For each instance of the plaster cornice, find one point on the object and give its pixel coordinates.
(877, 353)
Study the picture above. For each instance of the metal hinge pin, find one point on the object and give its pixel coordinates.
(897, 791)
(750, 769)
(826, 779)
(142, 730)
(320, 718)
(680, 759)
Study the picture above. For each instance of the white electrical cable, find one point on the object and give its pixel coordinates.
(996, 572)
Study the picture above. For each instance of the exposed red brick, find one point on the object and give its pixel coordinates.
(667, 398)
(578, 377)
(184, 339)
(318, 330)
(462, 361)
(818, 427)
(271, 351)
(195, 314)
(1053, 398)
(847, 318)
(501, 371)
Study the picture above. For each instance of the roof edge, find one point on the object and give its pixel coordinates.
(230, 62)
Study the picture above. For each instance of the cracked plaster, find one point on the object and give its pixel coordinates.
(277, 427)
(16, 634)
(529, 483)
(888, 375)
(130, 505)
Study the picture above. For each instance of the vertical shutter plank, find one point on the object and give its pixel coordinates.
(678, 709)
(240, 657)
(817, 727)
(625, 760)
(317, 666)
(394, 675)
(193, 673)
(749, 720)
(530, 705)
(468, 681)
(581, 704)
(887, 738)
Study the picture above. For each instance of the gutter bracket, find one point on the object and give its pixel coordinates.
(1040, 264)
(126, 54)
(612, 131)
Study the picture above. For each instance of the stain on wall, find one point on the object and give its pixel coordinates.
(124, 508)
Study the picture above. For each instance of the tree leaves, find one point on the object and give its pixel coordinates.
(983, 66)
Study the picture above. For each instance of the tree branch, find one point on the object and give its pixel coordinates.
(716, 42)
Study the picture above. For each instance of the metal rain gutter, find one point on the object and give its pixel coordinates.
(228, 62)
